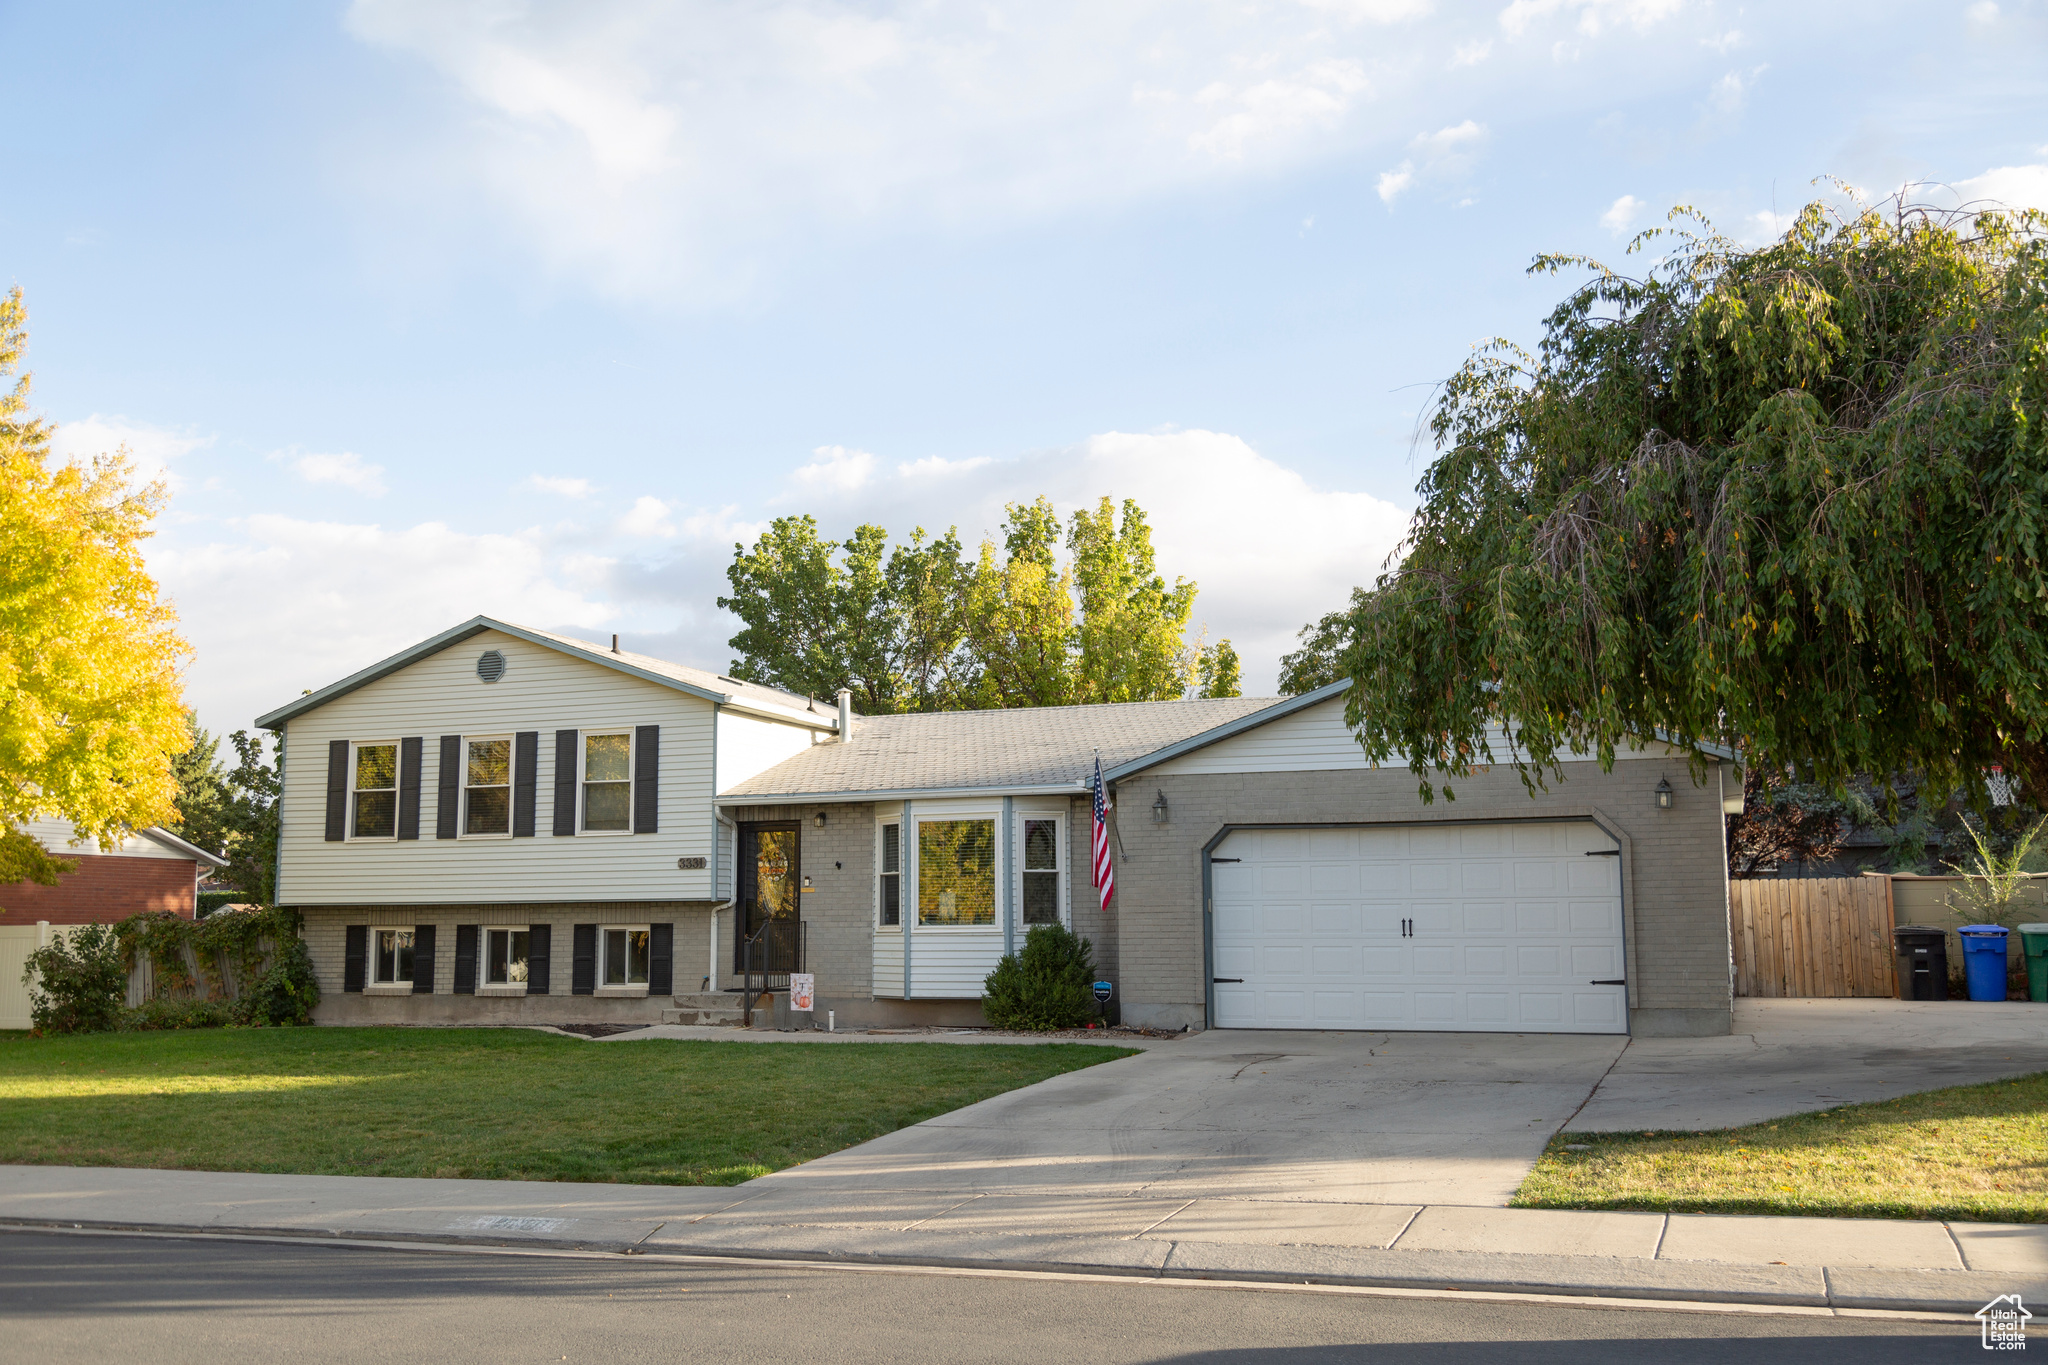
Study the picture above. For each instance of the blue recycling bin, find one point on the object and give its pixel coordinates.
(1984, 960)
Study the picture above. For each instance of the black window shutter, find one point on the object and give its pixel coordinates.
(355, 958)
(423, 959)
(337, 790)
(448, 787)
(647, 779)
(537, 942)
(661, 959)
(583, 965)
(465, 959)
(525, 772)
(565, 781)
(410, 754)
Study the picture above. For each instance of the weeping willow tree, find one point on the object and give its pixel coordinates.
(1790, 500)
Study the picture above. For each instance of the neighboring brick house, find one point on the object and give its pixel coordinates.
(658, 824)
(149, 869)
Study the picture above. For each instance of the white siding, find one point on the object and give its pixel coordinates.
(952, 964)
(1316, 739)
(541, 690)
(60, 838)
(748, 747)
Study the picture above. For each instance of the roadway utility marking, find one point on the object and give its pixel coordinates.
(1790, 1310)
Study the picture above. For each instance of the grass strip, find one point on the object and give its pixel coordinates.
(496, 1104)
(1974, 1153)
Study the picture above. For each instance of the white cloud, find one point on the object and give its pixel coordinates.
(836, 468)
(276, 604)
(1470, 54)
(1374, 11)
(1446, 154)
(1594, 16)
(1984, 12)
(1731, 92)
(1267, 111)
(1724, 43)
(345, 468)
(2017, 187)
(1766, 226)
(649, 517)
(1621, 215)
(560, 488)
(151, 449)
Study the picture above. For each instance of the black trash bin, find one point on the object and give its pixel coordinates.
(1923, 962)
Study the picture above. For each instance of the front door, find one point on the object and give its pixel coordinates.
(769, 878)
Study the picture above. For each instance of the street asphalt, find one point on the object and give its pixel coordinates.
(73, 1297)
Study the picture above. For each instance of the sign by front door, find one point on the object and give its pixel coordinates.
(1102, 990)
(802, 986)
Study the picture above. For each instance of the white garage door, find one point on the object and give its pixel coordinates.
(1506, 928)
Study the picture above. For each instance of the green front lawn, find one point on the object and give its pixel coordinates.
(502, 1104)
(1978, 1153)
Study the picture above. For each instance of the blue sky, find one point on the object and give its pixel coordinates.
(426, 309)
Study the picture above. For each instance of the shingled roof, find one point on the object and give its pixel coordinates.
(998, 751)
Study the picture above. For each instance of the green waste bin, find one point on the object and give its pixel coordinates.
(2034, 941)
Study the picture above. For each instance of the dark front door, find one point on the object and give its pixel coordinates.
(769, 900)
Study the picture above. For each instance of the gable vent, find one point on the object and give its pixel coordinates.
(490, 665)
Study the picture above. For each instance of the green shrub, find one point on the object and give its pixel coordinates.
(171, 1014)
(1050, 985)
(286, 992)
(78, 982)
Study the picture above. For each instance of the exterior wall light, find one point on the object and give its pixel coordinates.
(819, 818)
(1159, 810)
(1663, 794)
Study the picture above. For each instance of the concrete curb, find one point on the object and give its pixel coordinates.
(1590, 1277)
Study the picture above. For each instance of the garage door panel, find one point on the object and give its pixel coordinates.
(1508, 921)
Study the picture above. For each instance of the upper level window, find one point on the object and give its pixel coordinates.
(374, 799)
(608, 781)
(487, 787)
(956, 872)
(391, 964)
(626, 954)
(1041, 872)
(891, 875)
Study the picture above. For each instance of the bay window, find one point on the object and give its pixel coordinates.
(956, 872)
(1041, 874)
(889, 897)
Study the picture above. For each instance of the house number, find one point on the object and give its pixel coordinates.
(693, 864)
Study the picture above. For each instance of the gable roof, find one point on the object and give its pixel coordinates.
(1043, 748)
(157, 834)
(711, 687)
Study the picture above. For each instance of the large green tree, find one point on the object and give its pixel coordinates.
(1789, 499)
(921, 627)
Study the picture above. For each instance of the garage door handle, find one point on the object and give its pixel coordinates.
(1618, 981)
(1603, 853)
(1226, 981)
(1226, 860)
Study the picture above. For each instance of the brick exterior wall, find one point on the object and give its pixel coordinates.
(1090, 921)
(104, 890)
(1674, 872)
(326, 935)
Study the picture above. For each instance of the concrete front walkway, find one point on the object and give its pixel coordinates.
(1813, 1262)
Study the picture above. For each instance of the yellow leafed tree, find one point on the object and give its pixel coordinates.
(90, 706)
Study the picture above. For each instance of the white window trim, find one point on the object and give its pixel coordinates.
(370, 982)
(901, 874)
(632, 734)
(631, 987)
(483, 958)
(397, 787)
(1063, 856)
(462, 786)
(1001, 870)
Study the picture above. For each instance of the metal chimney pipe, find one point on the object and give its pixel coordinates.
(845, 715)
(615, 644)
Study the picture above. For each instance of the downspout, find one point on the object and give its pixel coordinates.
(910, 888)
(1010, 874)
(718, 817)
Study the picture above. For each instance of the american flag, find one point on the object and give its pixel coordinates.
(1105, 871)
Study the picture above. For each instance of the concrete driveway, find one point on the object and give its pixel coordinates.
(1414, 1118)
(1361, 1118)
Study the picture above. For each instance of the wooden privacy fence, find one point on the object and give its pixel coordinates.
(1812, 936)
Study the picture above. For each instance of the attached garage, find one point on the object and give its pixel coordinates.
(1498, 926)
(1270, 876)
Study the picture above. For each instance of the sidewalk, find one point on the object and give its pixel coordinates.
(1815, 1262)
